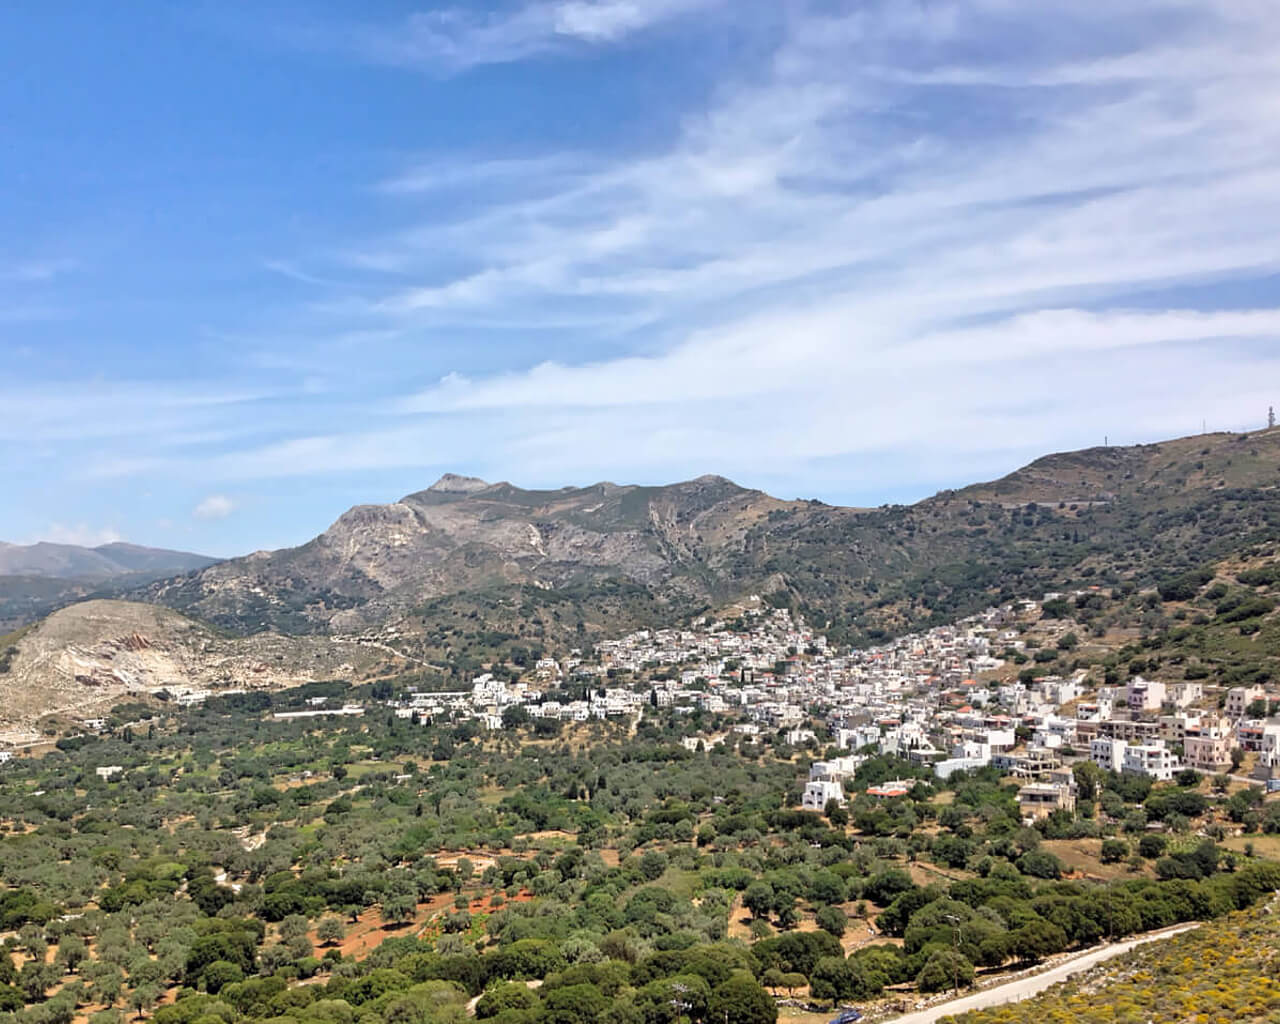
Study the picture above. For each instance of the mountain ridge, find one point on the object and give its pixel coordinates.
(466, 536)
(75, 561)
(36, 579)
(575, 562)
(466, 571)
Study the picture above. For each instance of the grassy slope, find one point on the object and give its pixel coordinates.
(1101, 514)
(1225, 972)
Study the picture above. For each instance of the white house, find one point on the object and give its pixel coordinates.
(1108, 753)
(1144, 694)
(1240, 697)
(835, 770)
(818, 792)
(1183, 695)
(948, 767)
(856, 739)
(1154, 760)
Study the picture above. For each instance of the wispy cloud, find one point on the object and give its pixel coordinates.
(80, 411)
(456, 38)
(933, 423)
(904, 189)
(289, 270)
(510, 173)
(35, 271)
(917, 240)
(216, 506)
(753, 360)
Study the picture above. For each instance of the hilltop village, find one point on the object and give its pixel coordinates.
(950, 699)
(944, 699)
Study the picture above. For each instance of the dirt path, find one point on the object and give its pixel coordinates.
(1024, 988)
(739, 921)
(471, 1004)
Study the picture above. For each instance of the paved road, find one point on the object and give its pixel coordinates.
(1025, 988)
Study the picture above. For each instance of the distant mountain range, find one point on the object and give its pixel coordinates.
(72, 562)
(37, 578)
(466, 567)
(451, 577)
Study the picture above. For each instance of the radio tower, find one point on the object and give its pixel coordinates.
(1271, 417)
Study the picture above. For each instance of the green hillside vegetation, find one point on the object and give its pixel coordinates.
(1226, 972)
(1217, 623)
(242, 869)
(1111, 516)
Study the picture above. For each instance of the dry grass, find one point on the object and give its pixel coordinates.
(1083, 856)
(1263, 845)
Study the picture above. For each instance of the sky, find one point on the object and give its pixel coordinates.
(261, 261)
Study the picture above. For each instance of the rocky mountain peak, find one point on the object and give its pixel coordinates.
(452, 483)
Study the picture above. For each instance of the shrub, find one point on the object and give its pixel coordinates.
(1184, 587)
(833, 921)
(1040, 864)
(508, 996)
(1114, 851)
(943, 969)
(1152, 846)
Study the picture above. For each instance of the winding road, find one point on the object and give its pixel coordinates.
(1024, 988)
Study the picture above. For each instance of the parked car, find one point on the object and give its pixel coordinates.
(846, 1017)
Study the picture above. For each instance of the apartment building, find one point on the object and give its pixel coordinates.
(1154, 760)
(1038, 800)
(1240, 697)
(1144, 694)
(1108, 754)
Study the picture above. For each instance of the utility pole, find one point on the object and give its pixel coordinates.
(955, 944)
(679, 1001)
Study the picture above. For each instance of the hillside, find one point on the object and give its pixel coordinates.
(1222, 973)
(1187, 464)
(88, 656)
(25, 599)
(72, 562)
(37, 578)
(673, 545)
(564, 564)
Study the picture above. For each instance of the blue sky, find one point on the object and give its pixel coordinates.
(262, 261)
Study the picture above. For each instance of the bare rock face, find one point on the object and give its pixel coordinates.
(463, 535)
(611, 557)
(90, 655)
(451, 483)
